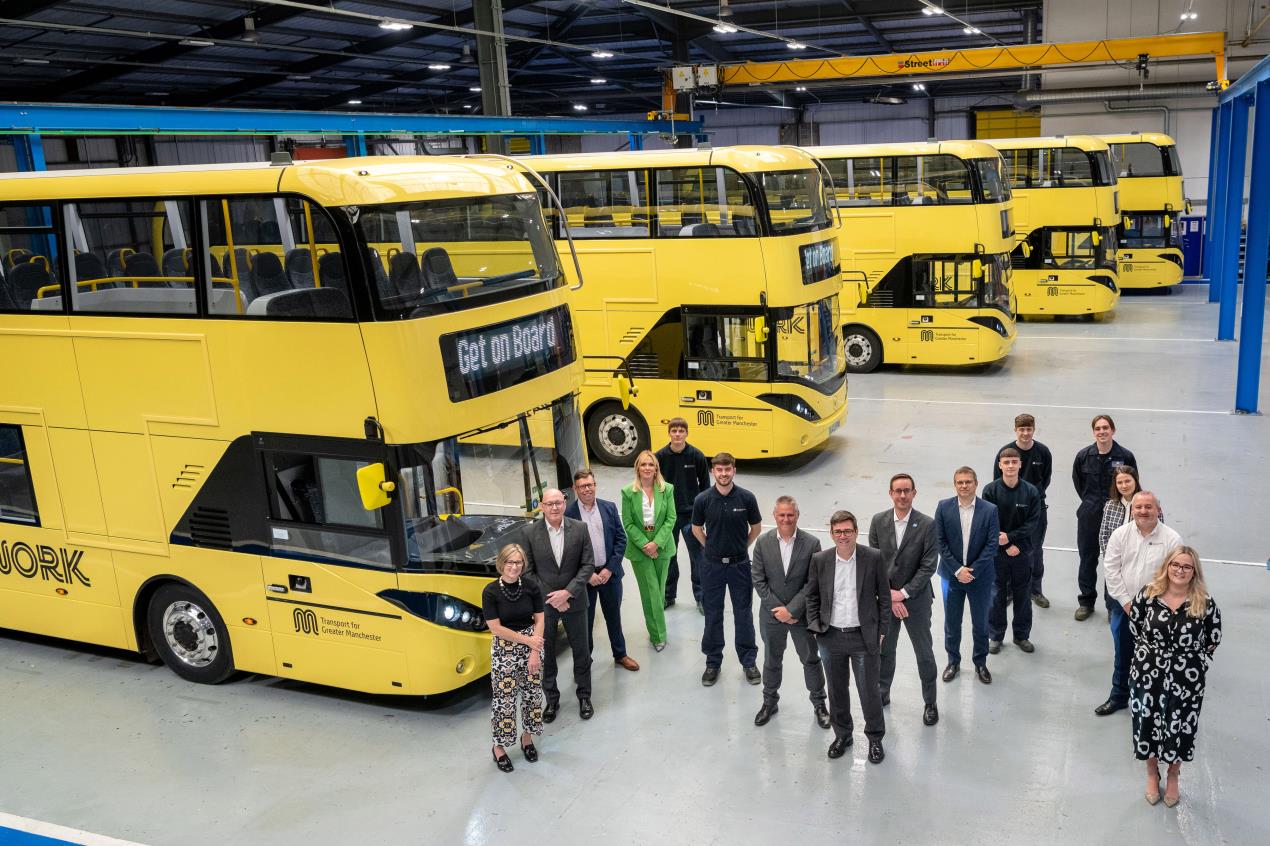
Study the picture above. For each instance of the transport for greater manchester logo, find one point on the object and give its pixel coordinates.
(705, 417)
(305, 621)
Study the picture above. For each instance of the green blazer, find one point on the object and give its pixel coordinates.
(663, 533)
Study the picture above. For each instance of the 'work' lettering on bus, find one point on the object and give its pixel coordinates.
(42, 562)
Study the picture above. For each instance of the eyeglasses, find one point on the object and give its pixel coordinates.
(514, 562)
(584, 486)
(1181, 568)
(555, 503)
(902, 491)
(842, 533)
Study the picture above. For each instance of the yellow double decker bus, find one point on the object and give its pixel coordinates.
(925, 244)
(1066, 210)
(249, 413)
(712, 280)
(1149, 235)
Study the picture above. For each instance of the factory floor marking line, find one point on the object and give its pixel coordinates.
(20, 831)
(1019, 404)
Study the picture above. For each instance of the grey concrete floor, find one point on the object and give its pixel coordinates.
(98, 740)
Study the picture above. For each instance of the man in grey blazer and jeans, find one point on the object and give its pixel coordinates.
(559, 557)
(779, 568)
(849, 608)
(906, 539)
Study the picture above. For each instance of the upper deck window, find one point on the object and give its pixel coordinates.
(606, 203)
(795, 201)
(992, 182)
(935, 180)
(703, 202)
(1143, 159)
(29, 259)
(1057, 167)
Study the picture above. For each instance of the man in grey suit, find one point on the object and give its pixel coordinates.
(849, 608)
(779, 569)
(559, 557)
(906, 539)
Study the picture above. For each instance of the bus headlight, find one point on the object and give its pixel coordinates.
(990, 322)
(793, 404)
(1106, 281)
(439, 608)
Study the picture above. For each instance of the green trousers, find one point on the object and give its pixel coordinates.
(651, 578)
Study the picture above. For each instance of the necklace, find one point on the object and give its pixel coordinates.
(520, 588)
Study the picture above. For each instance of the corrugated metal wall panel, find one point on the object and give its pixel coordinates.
(184, 151)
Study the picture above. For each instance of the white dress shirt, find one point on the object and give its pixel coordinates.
(967, 519)
(846, 604)
(787, 549)
(556, 537)
(595, 525)
(901, 526)
(1132, 558)
(650, 510)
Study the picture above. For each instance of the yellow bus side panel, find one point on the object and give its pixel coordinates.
(39, 368)
(870, 233)
(614, 273)
(77, 480)
(125, 472)
(181, 466)
(1144, 268)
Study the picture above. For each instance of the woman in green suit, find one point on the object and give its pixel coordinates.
(648, 516)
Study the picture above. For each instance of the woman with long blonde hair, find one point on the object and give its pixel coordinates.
(648, 516)
(1176, 629)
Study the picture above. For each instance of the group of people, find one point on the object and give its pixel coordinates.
(843, 607)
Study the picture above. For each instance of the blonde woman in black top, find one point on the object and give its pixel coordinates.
(513, 610)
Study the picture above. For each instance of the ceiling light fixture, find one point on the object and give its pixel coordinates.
(601, 54)
(467, 105)
(887, 99)
(796, 45)
(578, 107)
(972, 30)
(932, 10)
(475, 89)
(800, 88)
(438, 67)
(599, 80)
(25, 61)
(917, 86)
(725, 29)
(298, 77)
(196, 42)
(158, 93)
(395, 26)
(1190, 16)
(354, 102)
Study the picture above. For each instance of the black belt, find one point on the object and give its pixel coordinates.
(733, 559)
(845, 629)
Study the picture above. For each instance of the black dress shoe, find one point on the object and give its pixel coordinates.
(1111, 706)
(994, 646)
(530, 751)
(930, 715)
(822, 715)
(951, 671)
(549, 713)
(752, 675)
(585, 711)
(670, 600)
(502, 762)
(710, 676)
(765, 713)
(875, 752)
(982, 672)
(886, 698)
(1024, 644)
(839, 747)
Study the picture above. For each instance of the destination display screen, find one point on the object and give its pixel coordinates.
(481, 361)
(818, 262)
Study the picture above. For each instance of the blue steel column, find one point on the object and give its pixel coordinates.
(1215, 215)
(637, 141)
(29, 151)
(1252, 322)
(355, 144)
(1206, 250)
(1232, 227)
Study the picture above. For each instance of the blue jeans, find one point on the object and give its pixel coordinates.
(734, 578)
(979, 593)
(609, 596)
(683, 526)
(1122, 640)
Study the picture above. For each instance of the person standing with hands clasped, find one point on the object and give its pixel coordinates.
(513, 610)
(1019, 506)
(1038, 468)
(688, 470)
(1091, 475)
(849, 609)
(779, 570)
(648, 515)
(967, 530)
(726, 520)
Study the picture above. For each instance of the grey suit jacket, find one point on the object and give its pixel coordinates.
(912, 565)
(773, 585)
(572, 571)
(872, 588)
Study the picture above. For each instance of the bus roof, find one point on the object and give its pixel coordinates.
(744, 158)
(960, 149)
(331, 182)
(1159, 139)
(1089, 143)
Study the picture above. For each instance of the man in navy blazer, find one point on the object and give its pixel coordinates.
(967, 529)
(609, 544)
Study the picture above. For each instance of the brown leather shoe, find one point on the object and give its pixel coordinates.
(626, 662)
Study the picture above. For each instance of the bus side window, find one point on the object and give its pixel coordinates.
(273, 257)
(17, 496)
(29, 257)
(724, 347)
(660, 353)
(606, 204)
(703, 202)
(868, 182)
(319, 512)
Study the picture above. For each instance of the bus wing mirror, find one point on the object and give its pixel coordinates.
(1168, 221)
(374, 487)
(626, 389)
(1188, 206)
(1096, 238)
(761, 331)
(1027, 249)
(976, 269)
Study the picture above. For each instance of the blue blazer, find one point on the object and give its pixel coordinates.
(985, 529)
(614, 537)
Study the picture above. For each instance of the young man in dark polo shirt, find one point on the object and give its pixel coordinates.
(1038, 469)
(688, 469)
(726, 520)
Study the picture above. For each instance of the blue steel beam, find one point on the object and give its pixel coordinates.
(1217, 173)
(1232, 227)
(161, 120)
(1206, 250)
(29, 151)
(1252, 321)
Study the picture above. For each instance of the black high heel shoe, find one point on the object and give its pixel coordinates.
(531, 751)
(502, 761)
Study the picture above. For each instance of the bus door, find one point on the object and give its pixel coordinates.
(944, 287)
(329, 557)
(725, 367)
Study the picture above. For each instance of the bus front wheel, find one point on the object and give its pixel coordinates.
(189, 634)
(863, 348)
(616, 434)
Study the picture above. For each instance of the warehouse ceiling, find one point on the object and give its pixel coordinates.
(322, 54)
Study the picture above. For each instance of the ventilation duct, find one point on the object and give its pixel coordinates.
(1024, 99)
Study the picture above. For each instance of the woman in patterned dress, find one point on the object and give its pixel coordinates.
(1176, 628)
(513, 611)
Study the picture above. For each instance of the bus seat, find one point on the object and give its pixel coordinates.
(593, 220)
(700, 230)
(267, 275)
(689, 218)
(438, 272)
(744, 225)
(17, 256)
(299, 267)
(302, 302)
(214, 265)
(6, 298)
(143, 264)
(405, 279)
(25, 280)
(381, 276)
(90, 266)
(331, 271)
(114, 261)
(174, 263)
(307, 500)
(269, 232)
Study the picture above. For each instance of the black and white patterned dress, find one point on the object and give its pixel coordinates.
(1171, 651)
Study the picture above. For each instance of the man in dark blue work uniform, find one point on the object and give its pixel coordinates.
(688, 469)
(726, 520)
(1038, 468)
(1091, 474)
(1018, 505)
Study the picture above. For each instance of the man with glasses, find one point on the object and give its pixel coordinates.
(1134, 552)
(849, 609)
(608, 543)
(561, 560)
